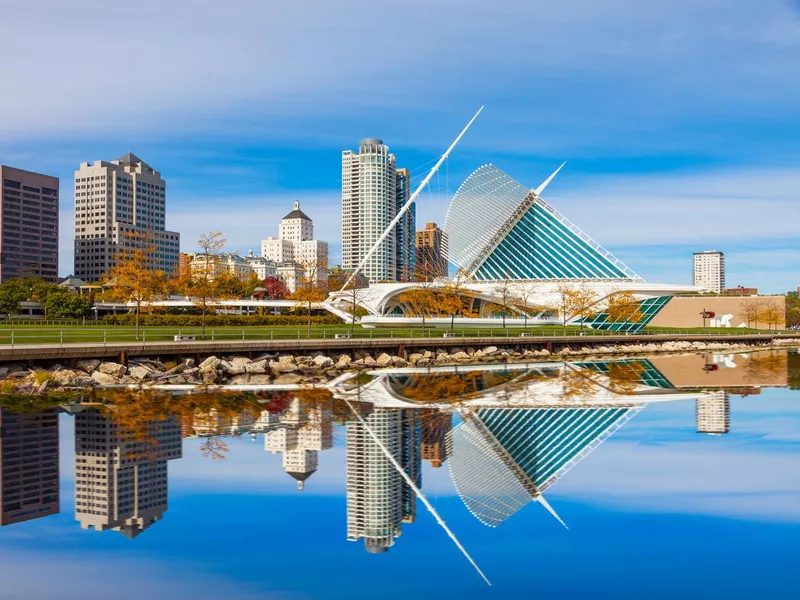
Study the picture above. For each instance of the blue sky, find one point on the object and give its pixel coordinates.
(678, 119)
(657, 511)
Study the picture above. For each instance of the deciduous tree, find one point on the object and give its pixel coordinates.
(623, 306)
(134, 277)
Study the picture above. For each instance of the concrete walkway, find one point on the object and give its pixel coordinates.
(116, 349)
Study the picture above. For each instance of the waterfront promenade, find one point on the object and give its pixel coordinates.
(398, 345)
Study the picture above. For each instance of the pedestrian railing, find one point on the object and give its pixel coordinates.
(115, 335)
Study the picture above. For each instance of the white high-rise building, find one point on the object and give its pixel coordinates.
(709, 270)
(114, 201)
(369, 203)
(374, 486)
(713, 414)
(296, 246)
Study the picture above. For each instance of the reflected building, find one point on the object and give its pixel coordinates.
(436, 425)
(121, 482)
(713, 414)
(411, 462)
(378, 498)
(504, 458)
(215, 422)
(28, 465)
(299, 435)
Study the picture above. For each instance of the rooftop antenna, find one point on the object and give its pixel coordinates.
(410, 201)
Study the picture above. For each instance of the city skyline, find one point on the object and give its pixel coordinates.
(652, 146)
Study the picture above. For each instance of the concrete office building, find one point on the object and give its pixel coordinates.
(28, 465)
(431, 251)
(708, 270)
(372, 194)
(121, 483)
(28, 225)
(114, 201)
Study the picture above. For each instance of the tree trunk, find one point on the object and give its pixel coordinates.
(138, 311)
(308, 332)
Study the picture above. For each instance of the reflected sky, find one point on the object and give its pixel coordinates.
(655, 510)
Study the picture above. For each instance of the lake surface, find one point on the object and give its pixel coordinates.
(659, 477)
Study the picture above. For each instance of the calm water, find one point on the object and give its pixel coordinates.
(676, 477)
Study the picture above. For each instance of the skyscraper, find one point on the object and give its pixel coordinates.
(709, 270)
(411, 461)
(369, 203)
(28, 465)
(121, 482)
(405, 229)
(28, 225)
(374, 486)
(431, 250)
(113, 202)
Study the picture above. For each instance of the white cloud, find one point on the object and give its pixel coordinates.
(154, 65)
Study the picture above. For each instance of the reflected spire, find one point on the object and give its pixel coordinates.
(541, 500)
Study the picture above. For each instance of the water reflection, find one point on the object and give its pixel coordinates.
(505, 433)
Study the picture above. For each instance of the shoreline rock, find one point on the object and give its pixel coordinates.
(320, 367)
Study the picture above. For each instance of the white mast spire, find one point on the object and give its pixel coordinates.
(538, 191)
(410, 201)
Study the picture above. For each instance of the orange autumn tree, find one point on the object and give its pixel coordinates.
(134, 277)
(623, 307)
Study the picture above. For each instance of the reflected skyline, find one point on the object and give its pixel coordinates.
(507, 434)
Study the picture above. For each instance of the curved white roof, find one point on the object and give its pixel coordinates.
(482, 205)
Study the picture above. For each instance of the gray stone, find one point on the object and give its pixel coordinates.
(369, 361)
(399, 361)
(240, 361)
(188, 363)
(383, 359)
(212, 362)
(287, 358)
(282, 367)
(103, 378)
(544, 352)
(138, 372)
(489, 350)
(323, 362)
(256, 367)
(113, 369)
(176, 381)
(414, 358)
(344, 359)
(88, 365)
(67, 377)
(462, 356)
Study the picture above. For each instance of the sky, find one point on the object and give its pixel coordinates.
(678, 119)
(656, 511)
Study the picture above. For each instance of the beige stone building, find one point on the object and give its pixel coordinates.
(28, 225)
(217, 265)
(121, 483)
(114, 201)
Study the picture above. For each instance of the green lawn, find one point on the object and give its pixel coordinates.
(55, 334)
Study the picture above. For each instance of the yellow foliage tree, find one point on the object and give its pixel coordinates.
(623, 306)
(134, 278)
